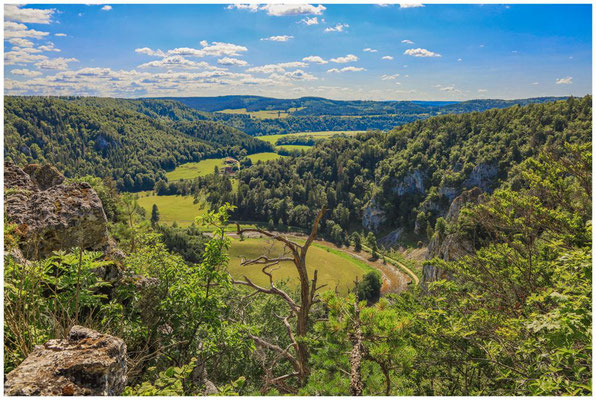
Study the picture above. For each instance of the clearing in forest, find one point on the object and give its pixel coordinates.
(336, 269)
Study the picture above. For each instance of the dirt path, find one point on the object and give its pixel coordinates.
(394, 279)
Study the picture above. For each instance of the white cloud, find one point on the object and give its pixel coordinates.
(279, 67)
(16, 30)
(216, 49)
(482, 90)
(347, 69)
(18, 56)
(48, 47)
(315, 59)
(59, 63)
(298, 75)
(177, 61)
(346, 59)
(450, 89)
(410, 5)
(407, 41)
(231, 61)
(564, 81)
(279, 10)
(107, 82)
(459, 59)
(249, 7)
(421, 53)
(60, 34)
(106, 8)
(21, 42)
(369, 50)
(280, 38)
(338, 28)
(535, 83)
(27, 15)
(389, 77)
(387, 58)
(309, 21)
(25, 72)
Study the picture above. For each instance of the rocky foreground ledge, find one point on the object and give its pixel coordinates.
(50, 214)
(88, 363)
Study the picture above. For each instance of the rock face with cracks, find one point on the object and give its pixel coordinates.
(88, 363)
(51, 215)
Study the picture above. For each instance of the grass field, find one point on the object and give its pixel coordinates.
(263, 157)
(292, 147)
(335, 267)
(318, 135)
(263, 114)
(193, 169)
(205, 167)
(173, 208)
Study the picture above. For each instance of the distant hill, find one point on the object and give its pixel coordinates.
(318, 106)
(132, 141)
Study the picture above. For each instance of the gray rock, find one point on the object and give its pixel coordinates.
(482, 176)
(44, 176)
(392, 238)
(373, 216)
(88, 363)
(452, 246)
(449, 192)
(50, 214)
(411, 183)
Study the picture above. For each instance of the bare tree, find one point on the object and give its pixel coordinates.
(358, 350)
(308, 296)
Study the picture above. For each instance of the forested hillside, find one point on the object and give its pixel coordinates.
(394, 179)
(318, 106)
(511, 314)
(124, 140)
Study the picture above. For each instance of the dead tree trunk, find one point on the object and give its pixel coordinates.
(356, 384)
(308, 296)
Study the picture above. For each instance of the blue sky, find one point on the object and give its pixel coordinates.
(431, 52)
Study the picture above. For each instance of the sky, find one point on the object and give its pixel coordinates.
(370, 52)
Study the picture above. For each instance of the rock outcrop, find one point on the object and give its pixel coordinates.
(482, 176)
(391, 238)
(50, 214)
(411, 183)
(88, 363)
(452, 246)
(373, 216)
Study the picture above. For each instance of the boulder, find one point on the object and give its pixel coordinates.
(50, 214)
(88, 363)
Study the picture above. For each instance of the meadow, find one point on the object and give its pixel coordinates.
(317, 135)
(336, 269)
(173, 208)
(193, 169)
(262, 114)
(205, 167)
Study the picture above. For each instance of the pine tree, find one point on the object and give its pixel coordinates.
(154, 215)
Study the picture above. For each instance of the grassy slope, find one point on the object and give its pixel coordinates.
(173, 208)
(335, 268)
(263, 157)
(194, 169)
(205, 167)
